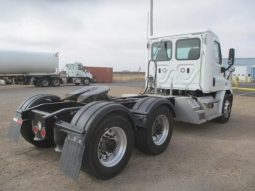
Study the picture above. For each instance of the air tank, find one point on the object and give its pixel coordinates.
(18, 62)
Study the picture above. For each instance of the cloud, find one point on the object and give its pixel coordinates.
(113, 32)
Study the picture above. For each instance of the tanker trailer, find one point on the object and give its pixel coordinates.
(38, 68)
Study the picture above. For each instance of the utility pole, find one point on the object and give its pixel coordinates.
(151, 17)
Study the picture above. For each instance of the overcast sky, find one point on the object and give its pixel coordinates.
(113, 33)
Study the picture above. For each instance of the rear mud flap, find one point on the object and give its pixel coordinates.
(71, 157)
(14, 131)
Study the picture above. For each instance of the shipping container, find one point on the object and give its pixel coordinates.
(102, 74)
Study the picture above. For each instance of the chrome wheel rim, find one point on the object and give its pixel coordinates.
(160, 130)
(112, 146)
(226, 109)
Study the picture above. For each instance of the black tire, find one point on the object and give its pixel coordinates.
(55, 82)
(91, 162)
(86, 81)
(45, 82)
(144, 136)
(37, 83)
(26, 129)
(226, 109)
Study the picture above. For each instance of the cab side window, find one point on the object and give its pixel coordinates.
(217, 53)
(161, 51)
(188, 49)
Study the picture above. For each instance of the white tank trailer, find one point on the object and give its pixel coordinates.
(17, 62)
(38, 68)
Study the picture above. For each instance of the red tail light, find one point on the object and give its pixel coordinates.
(43, 132)
(35, 129)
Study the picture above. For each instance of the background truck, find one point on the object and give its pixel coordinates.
(77, 74)
(40, 69)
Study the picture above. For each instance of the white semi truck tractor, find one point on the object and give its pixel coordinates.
(185, 81)
(40, 69)
(77, 74)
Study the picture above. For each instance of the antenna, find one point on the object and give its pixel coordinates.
(151, 17)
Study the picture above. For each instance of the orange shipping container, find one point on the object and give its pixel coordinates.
(102, 74)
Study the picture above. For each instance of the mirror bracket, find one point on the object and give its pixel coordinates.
(222, 69)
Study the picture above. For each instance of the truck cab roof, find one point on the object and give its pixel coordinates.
(191, 33)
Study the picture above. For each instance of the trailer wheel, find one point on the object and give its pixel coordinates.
(109, 147)
(226, 109)
(155, 138)
(45, 82)
(86, 81)
(56, 82)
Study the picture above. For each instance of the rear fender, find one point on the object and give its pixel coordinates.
(36, 100)
(85, 121)
(90, 115)
(21, 125)
(144, 108)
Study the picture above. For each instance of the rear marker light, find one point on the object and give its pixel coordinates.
(39, 125)
(18, 121)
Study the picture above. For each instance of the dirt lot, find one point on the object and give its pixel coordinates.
(207, 157)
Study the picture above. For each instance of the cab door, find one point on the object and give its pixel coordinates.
(162, 54)
(219, 81)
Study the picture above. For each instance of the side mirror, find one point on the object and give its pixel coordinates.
(231, 56)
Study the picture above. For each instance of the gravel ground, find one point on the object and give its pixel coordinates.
(208, 157)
